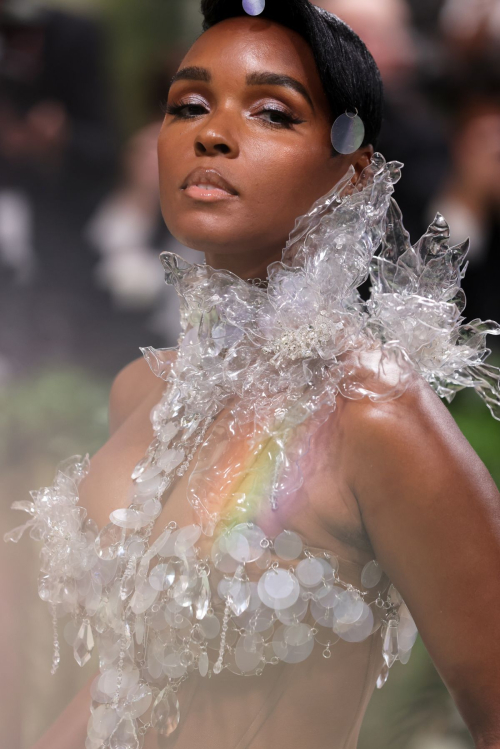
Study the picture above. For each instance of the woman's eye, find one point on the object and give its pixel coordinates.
(185, 111)
(278, 118)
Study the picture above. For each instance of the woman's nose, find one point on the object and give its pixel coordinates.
(212, 141)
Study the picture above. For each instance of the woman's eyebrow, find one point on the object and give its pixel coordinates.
(276, 79)
(192, 73)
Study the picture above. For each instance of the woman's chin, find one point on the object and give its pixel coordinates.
(214, 240)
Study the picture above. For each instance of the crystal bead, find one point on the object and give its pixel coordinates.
(84, 644)
(239, 592)
(383, 676)
(166, 712)
(203, 664)
(394, 596)
(109, 541)
(202, 601)
(390, 648)
(125, 735)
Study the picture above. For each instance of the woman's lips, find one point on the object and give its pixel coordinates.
(208, 185)
(207, 193)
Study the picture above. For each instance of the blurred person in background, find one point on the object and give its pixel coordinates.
(57, 152)
(471, 24)
(412, 131)
(470, 197)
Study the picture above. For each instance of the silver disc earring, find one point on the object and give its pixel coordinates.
(254, 7)
(348, 132)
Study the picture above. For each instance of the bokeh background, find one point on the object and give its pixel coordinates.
(81, 89)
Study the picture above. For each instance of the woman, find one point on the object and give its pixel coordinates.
(310, 478)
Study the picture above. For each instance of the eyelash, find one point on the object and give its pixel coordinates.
(176, 110)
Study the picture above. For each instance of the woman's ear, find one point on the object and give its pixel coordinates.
(362, 158)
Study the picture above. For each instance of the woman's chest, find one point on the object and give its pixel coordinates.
(226, 473)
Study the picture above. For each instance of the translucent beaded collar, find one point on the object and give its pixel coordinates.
(268, 364)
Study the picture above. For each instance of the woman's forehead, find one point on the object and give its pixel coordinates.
(242, 45)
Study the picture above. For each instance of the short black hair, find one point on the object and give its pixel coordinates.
(348, 72)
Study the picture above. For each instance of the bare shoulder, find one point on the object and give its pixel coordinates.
(412, 439)
(130, 387)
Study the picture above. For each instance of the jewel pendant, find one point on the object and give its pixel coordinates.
(84, 644)
(166, 712)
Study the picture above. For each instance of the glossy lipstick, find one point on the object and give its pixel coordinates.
(208, 185)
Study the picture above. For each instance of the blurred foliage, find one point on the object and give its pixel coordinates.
(52, 414)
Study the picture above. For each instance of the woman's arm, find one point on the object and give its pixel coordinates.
(432, 512)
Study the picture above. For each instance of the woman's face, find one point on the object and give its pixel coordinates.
(245, 145)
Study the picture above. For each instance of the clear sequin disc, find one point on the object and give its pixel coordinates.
(278, 589)
(310, 572)
(254, 7)
(371, 574)
(348, 133)
(244, 542)
(288, 546)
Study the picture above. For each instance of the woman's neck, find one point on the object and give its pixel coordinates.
(245, 266)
